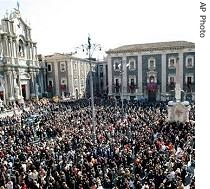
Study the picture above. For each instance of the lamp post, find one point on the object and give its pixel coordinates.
(122, 103)
(122, 94)
(90, 48)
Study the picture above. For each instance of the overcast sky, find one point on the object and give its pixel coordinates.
(62, 25)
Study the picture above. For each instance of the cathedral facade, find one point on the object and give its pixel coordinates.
(19, 65)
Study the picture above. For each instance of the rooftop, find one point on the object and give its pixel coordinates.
(153, 46)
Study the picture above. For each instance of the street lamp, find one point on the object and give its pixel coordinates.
(90, 48)
(121, 72)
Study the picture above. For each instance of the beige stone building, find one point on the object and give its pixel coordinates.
(67, 75)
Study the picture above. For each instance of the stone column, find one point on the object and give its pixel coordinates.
(32, 84)
(19, 84)
(140, 85)
(40, 76)
(124, 81)
(79, 80)
(5, 46)
(69, 78)
(45, 81)
(158, 97)
(35, 52)
(15, 86)
(110, 67)
(104, 78)
(35, 56)
(13, 76)
(36, 84)
(16, 48)
(57, 82)
(32, 52)
(181, 69)
(1, 48)
(29, 50)
(163, 77)
(9, 47)
(6, 86)
(10, 85)
(72, 77)
(178, 86)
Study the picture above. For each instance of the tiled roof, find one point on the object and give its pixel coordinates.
(153, 46)
(64, 56)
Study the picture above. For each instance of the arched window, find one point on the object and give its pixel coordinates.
(62, 66)
(21, 49)
(172, 63)
(152, 79)
(132, 64)
(117, 65)
(151, 64)
(189, 62)
(171, 81)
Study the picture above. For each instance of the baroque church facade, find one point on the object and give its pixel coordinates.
(19, 66)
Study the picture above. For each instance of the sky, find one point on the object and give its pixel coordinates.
(61, 26)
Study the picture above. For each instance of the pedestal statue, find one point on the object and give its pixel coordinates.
(178, 110)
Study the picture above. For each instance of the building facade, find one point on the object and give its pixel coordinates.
(147, 71)
(19, 67)
(67, 76)
(101, 78)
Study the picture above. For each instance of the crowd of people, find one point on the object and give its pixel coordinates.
(54, 146)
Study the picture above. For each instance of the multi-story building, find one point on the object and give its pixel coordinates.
(19, 68)
(68, 75)
(148, 70)
(101, 78)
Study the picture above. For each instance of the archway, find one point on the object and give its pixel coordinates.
(23, 88)
(21, 52)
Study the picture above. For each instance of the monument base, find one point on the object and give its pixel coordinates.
(178, 111)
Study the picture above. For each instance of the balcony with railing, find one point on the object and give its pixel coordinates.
(116, 88)
(190, 87)
(152, 87)
(131, 88)
(63, 87)
(171, 86)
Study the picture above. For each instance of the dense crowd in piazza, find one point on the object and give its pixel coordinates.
(49, 146)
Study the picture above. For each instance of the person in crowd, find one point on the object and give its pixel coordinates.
(51, 146)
